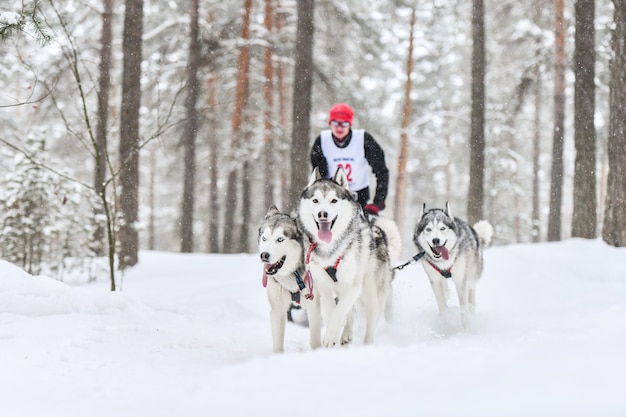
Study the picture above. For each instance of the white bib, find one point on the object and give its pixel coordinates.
(351, 158)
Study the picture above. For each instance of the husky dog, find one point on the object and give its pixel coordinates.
(280, 248)
(348, 258)
(452, 249)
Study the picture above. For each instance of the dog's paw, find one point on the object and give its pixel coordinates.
(329, 340)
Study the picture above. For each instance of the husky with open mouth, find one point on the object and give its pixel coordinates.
(347, 257)
(280, 248)
(452, 250)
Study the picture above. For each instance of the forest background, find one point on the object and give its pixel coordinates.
(218, 90)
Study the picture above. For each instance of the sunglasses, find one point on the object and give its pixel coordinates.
(335, 123)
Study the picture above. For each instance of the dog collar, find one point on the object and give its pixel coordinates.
(299, 280)
(446, 273)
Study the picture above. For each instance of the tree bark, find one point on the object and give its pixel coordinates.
(268, 91)
(556, 176)
(213, 243)
(283, 112)
(477, 136)
(303, 82)
(584, 217)
(241, 96)
(614, 229)
(400, 200)
(191, 129)
(129, 132)
(104, 86)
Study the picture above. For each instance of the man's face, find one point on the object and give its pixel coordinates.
(340, 129)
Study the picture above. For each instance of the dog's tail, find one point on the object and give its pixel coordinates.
(484, 230)
(394, 241)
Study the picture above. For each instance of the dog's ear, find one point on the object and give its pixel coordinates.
(423, 210)
(341, 179)
(315, 175)
(448, 212)
(272, 212)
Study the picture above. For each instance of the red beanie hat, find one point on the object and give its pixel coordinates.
(341, 112)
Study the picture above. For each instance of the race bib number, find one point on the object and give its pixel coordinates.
(347, 168)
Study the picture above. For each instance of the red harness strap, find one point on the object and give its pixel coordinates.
(446, 273)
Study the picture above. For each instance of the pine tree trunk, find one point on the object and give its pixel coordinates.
(104, 86)
(303, 81)
(536, 219)
(241, 96)
(400, 200)
(477, 136)
(191, 129)
(614, 229)
(268, 92)
(152, 201)
(129, 132)
(556, 177)
(246, 208)
(283, 113)
(213, 243)
(585, 205)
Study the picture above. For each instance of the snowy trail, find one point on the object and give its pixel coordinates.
(189, 335)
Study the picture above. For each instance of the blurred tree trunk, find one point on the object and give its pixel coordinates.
(283, 112)
(302, 85)
(556, 177)
(191, 129)
(477, 136)
(614, 229)
(246, 206)
(152, 200)
(213, 243)
(585, 204)
(129, 132)
(400, 200)
(268, 92)
(241, 96)
(536, 219)
(104, 86)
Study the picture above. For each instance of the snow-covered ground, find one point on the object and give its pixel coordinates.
(189, 335)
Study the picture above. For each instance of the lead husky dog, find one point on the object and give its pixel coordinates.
(452, 249)
(347, 257)
(280, 248)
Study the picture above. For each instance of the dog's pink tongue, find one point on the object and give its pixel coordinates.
(264, 278)
(443, 251)
(324, 234)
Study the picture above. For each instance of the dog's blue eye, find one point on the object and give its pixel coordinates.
(443, 228)
(263, 238)
(280, 239)
(428, 229)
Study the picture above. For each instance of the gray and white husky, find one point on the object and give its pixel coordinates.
(348, 258)
(452, 250)
(280, 248)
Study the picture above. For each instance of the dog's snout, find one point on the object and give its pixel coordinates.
(322, 215)
(265, 256)
(436, 241)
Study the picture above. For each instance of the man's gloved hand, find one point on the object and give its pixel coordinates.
(371, 209)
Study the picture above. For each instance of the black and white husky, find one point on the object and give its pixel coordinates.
(348, 258)
(452, 250)
(280, 248)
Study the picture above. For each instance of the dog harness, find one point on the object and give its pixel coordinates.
(446, 273)
(331, 270)
(295, 296)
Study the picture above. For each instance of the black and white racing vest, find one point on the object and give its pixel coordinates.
(351, 158)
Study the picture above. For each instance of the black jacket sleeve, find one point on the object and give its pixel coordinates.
(376, 158)
(318, 159)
